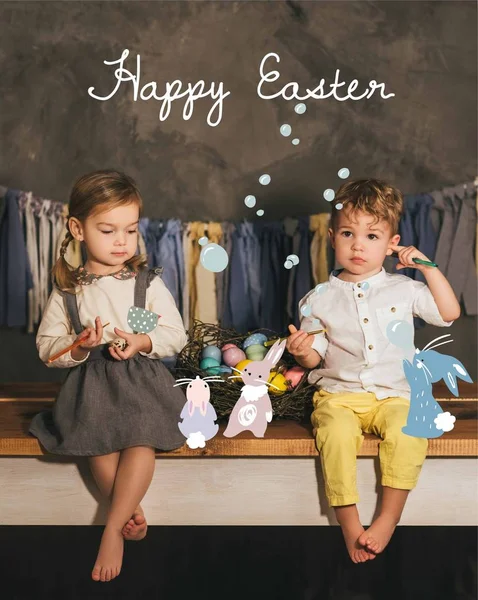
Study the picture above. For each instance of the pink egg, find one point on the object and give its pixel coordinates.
(294, 375)
(227, 346)
(232, 356)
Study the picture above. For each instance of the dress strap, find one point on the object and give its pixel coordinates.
(143, 279)
(72, 310)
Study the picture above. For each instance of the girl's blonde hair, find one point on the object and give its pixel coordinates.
(372, 196)
(93, 193)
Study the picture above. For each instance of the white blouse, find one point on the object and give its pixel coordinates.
(110, 299)
(358, 356)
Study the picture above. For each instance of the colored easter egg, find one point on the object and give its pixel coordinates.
(294, 375)
(241, 365)
(255, 338)
(227, 346)
(211, 352)
(232, 356)
(256, 352)
(225, 369)
(210, 365)
(279, 381)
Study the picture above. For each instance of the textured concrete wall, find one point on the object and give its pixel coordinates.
(52, 131)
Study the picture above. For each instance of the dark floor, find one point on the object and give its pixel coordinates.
(246, 563)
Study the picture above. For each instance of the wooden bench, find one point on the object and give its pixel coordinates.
(275, 480)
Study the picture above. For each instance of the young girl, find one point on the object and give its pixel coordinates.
(115, 406)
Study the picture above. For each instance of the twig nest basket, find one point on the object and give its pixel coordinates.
(293, 403)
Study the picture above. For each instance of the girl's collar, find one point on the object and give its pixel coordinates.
(84, 277)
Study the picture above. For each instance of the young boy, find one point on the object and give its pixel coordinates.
(362, 383)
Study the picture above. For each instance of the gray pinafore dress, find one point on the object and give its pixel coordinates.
(106, 405)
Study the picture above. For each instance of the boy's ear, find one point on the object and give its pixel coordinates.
(393, 241)
(331, 237)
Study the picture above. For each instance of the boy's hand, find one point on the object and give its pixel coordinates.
(299, 343)
(92, 336)
(137, 342)
(405, 256)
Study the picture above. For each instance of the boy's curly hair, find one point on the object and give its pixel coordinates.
(372, 196)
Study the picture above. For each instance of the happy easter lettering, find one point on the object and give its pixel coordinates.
(176, 90)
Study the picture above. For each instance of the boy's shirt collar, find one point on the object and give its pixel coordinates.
(373, 280)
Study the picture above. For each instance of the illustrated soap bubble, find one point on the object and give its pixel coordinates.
(288, 264)
(300, 108)
(250, 201)
(286, 130)
(296, 141)
(400, 333)
(321, 288)
(214, 258)
(339, 206)
(294, 259)
(316, 322)
(265, 179)
(306, 310)
(329, 195)
(365, 285)
(343, 173)
(203, 240)
(260, 212)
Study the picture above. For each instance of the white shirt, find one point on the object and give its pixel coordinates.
(110, 299)
(358, 356)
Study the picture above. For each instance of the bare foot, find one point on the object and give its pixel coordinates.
(110, 556)
(352, 532)
(136, 528)
(377, 536)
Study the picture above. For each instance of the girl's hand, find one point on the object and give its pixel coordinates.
(299, 343)
(92, 336)
(405, 256)
(137, 342)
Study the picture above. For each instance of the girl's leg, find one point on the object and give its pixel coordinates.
(104, 472)
(133, 477)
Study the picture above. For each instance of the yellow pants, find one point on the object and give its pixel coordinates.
(339, 420)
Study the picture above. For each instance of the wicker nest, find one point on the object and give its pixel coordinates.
(293, 404)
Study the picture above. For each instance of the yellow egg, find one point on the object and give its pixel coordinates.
(240, 367)
(279, 381)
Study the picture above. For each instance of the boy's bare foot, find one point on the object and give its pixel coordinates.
(110, 556)
(377, 536)
(136, 528)
(352, 532)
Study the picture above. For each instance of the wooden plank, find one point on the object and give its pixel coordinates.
(283, 438)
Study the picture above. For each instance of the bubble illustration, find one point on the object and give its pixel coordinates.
(400, 333)
(329, 195)
(214, 258)
(260, 212)
(339, 206)
(286, 130)
(343, 173)
(296, 141)
(306, 310)
(250, 201)
(300, 108)
(294, 259)
(321, 288)
(316, 322)
(265, 179)
(202, 241)
(288, 264)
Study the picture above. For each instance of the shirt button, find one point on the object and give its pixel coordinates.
(360, 295)
(365, 320)
(370, 347)
(359, 285)
(393, 309)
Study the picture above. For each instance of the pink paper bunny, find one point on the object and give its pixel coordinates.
(253, 410)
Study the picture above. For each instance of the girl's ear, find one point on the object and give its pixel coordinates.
(331, 237)
(75, 228)
(455, 369)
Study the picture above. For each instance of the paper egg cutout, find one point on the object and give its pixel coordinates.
(294, 375)
(119, 343)
(210, 365)
(256, 352)
(212, 352)
(141, 320)
(255, 338)
(232, 356)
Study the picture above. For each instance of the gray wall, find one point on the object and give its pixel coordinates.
(52, 130)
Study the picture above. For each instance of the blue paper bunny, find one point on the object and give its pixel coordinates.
(426, 418)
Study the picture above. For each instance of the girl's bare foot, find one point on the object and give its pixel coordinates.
(351, 532)
(136, 528)
(377, 536)
(110, 556)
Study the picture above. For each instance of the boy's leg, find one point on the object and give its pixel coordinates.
(401, 460)
(339, 437)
